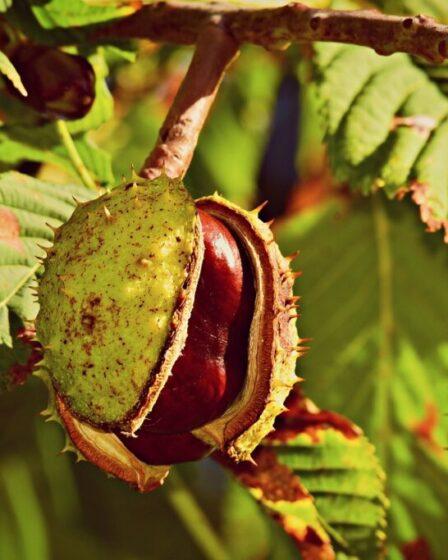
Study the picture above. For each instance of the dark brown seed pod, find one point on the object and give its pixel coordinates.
(59, 85)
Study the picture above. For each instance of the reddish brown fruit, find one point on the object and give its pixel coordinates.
(212, 368)
(165, 449)
(59, 85)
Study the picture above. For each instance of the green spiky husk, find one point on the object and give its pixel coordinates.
(121, 275)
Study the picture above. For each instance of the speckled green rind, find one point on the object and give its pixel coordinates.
(115, 299)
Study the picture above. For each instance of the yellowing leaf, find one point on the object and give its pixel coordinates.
(8, 70)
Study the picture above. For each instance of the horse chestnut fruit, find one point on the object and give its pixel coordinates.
(168, 329)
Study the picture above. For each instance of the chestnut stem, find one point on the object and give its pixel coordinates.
(178, 137)
(196, 522)
(75, 158)
(276, 27)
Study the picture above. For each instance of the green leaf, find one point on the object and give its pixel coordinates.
(5, 334)
(318, 477)
(348, 494)
(76, 13)
(4, 5)
(26, 206)
(385, 125)
(435, 8)
(8, 70)
(97, 160)
(21, 15)
(380, 351)
(18, 143)
(103, 106)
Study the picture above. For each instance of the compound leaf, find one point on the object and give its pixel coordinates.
(27, 205)
(319, 478)
(385, 122)
(379, 352)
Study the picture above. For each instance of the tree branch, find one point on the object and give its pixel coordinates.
(178, 137)
(218, 32)
(275, 28)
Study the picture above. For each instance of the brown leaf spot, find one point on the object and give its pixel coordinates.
(422, 124)
(312, 547)
(424, 430)
(276, 481)
(416, 550)
(10, 230)
(420, 196)
(303, 416)
(19, 373)
(309, 543)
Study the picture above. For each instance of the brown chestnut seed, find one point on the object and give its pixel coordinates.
(59, 85)
(273, 342)
(165, 449)
(212, 368)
